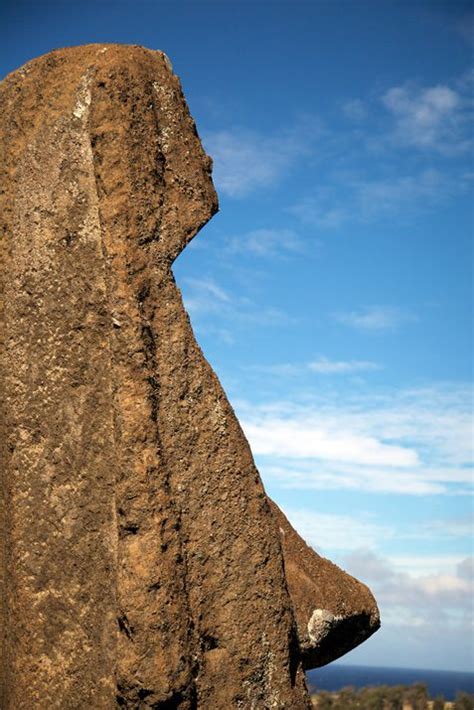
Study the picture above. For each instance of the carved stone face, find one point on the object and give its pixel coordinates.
(145, 565)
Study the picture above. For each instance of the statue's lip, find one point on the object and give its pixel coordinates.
(330, 636)
(334, 612)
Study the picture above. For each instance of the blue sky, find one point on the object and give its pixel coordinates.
(333, 292)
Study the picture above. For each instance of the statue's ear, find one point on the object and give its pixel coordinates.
(334, 612)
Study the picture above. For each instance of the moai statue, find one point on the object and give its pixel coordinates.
(142, 564)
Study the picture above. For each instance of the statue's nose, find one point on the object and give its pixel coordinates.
(334, 612)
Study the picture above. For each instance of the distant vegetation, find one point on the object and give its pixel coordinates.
(384, 697)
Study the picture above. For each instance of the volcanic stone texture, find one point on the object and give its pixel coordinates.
(141, 565)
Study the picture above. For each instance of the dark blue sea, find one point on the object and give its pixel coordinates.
(335, 676)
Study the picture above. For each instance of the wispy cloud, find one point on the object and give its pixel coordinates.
(246, 160)
(412, 442)
(448, 528)
(324, 366)
(356, 109)
(292, 439)
(359, 537)
(414, 596)
(326, 531)
(205, 295)
(205, 299)
(283, 369)
(434, 118)
(434, 122)
(321, 366)
(349, 199)
(210, 287)
(333, 475)
(375, 318)
(266, 242)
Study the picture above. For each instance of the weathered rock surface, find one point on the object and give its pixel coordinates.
(141, 565)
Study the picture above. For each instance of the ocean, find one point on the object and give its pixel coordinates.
(336, 676)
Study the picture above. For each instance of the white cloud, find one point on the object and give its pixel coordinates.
(324, 366)
(205, 299)
(312, 440)
(465, 569)
(449, 529)
(353, 539)
(321, 366)
(445, 594)
(429, 118)
(355, 110)
(347, 198)
(331, 532)
(417, 565)
(375, 318)
(413, 442)
(267, 242)
(284, 369)
(209, 287)
(436, 120)
(242, 163)
(246, 160)
(212, 330)
(375, 197)
(204, 296)
(324, 475)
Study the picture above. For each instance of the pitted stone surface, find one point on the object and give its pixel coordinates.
(141, 565)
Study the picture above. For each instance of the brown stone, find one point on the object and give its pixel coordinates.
(141, 565)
